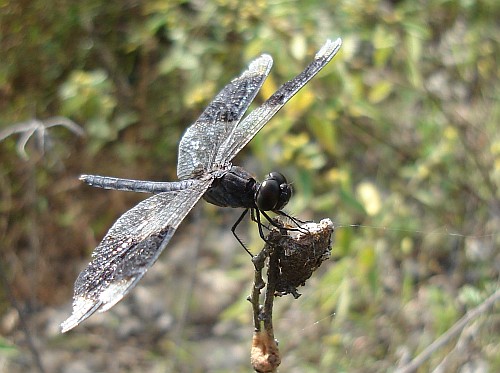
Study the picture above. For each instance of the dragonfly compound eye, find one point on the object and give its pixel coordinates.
(274, 193)
(268, 195)
(280, 178)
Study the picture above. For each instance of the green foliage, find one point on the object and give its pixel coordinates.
(397, 136)
(7, 349)
(88, 95)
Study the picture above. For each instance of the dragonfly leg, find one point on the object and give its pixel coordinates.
(256, 218)
(296, 221)
(233, 230)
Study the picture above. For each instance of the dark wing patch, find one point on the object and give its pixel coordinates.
(201, 141)
(129, 249)
(253, 123)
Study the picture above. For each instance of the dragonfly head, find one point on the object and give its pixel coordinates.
(273, 193)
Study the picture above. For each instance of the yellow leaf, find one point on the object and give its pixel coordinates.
(380, 91)
(370, 197)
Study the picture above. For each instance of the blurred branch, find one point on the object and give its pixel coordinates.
(464, 127)
(451, 333)
(461, 353)
(473, 144)
(22, 320)
(38, 128)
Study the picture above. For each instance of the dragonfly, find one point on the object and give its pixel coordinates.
(204, 169)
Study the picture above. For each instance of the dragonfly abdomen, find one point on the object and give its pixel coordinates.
(142, 186)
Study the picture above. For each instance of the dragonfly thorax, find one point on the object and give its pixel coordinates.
(237, 188)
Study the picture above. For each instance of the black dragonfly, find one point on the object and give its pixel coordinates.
(204, 169)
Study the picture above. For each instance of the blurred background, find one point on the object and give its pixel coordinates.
(396, 140)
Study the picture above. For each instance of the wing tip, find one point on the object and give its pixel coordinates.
(69, 324)
(82, 309)
(329, 49)
(260, 66)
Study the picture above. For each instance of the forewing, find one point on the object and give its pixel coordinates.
(129, 248)
(252, 124)
(201, 141)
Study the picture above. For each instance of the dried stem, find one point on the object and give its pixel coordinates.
(265, 356)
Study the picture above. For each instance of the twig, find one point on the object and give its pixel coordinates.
(272, 278)
(38, 128)
(265, 356)
(460, 351)
(258, 284)
(451, 333)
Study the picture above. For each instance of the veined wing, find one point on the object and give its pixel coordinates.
(201, 141)
(253, 123)
(129, 248)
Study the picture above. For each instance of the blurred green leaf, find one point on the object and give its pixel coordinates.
(7, 348)
(442, 308)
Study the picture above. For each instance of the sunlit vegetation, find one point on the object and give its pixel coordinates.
(399, 134)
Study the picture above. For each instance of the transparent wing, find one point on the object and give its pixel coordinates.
(201, 141)
(130, 247)
(253, 123)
